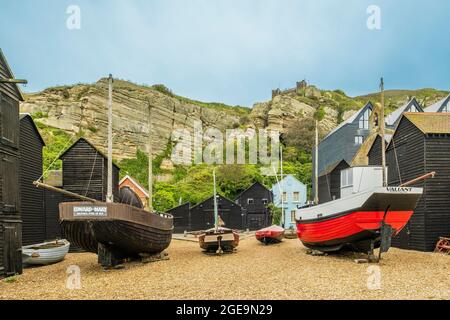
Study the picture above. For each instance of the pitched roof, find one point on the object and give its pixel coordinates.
(221, 197)
(434, 122)
(8, 69)
(437, 106)
(285, 178)
(94, 147)
(331, 167)
(349, 120)
(394, 116)
(255, 184)
(137, 184)
(23, 116)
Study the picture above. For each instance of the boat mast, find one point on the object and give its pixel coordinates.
(282, 187)
(316, 165)
(150, 160)
(382, 129)
(109, 197)
(216, 212)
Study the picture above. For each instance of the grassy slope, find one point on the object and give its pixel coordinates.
(395, 98)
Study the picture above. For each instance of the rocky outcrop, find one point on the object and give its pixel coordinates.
(82, 108)
(283, 109)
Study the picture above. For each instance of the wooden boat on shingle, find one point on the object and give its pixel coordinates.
(115, 231)
(120, 229)
(45, 253)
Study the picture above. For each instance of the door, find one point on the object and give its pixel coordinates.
(255, 222)
(12, 250)
(9, 180)
(9, 128)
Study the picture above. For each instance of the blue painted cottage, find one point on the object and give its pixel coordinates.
(288, 194)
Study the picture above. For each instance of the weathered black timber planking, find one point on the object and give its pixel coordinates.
(181, 217)
(9, 124)
(10, 223)
(255, 201)
(9, 185)
(419, 153)
(374, 154)
(32, 198)
(52, 226)
(437, 219)
(330, 182)
(408, 153)
(10, 89)
(232, 214)
(85, 171)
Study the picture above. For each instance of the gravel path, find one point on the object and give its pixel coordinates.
(281, 271)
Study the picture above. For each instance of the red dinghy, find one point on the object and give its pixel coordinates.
(270, 235)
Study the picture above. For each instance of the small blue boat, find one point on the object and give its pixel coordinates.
(45, 253)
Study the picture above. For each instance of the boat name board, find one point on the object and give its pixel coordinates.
(90, 211)
(398, 189)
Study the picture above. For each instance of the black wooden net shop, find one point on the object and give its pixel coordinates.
(32, 205)
(421, 144)
(255, 200)
(85, 171)
(10, 220)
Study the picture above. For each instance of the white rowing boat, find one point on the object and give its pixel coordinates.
(45, 253)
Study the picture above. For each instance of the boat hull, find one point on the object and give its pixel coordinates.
(358, 229)
(31, 256)
(270, 235)
(226, 239)
(122, 229)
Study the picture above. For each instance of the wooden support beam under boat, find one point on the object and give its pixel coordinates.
(65, 192)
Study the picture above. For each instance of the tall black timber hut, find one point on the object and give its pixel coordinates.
(330, 182)
(10, 220)
(32, 205)
(85, 171)
(255, 201)
(181, 217)
(202, 215)
(421, 144)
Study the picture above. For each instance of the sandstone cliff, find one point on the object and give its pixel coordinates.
(83, 108)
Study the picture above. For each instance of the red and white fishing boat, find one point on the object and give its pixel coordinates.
(355, 221)
(368, 213)
(270, 235)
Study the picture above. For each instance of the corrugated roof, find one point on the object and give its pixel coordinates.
(435, 107)
(430, 122)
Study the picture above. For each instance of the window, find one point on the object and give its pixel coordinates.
(292, 215)
(346, 178)
(296, 196)
(359, 140)
(284, 196)
(446, 108)
(250, 201)
(364, 120)
(413, 109)
(265, 201)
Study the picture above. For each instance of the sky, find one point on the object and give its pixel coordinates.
(231, 51)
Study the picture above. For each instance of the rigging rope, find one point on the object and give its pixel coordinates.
(92, 173)
(396, 161)
(57, 158)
